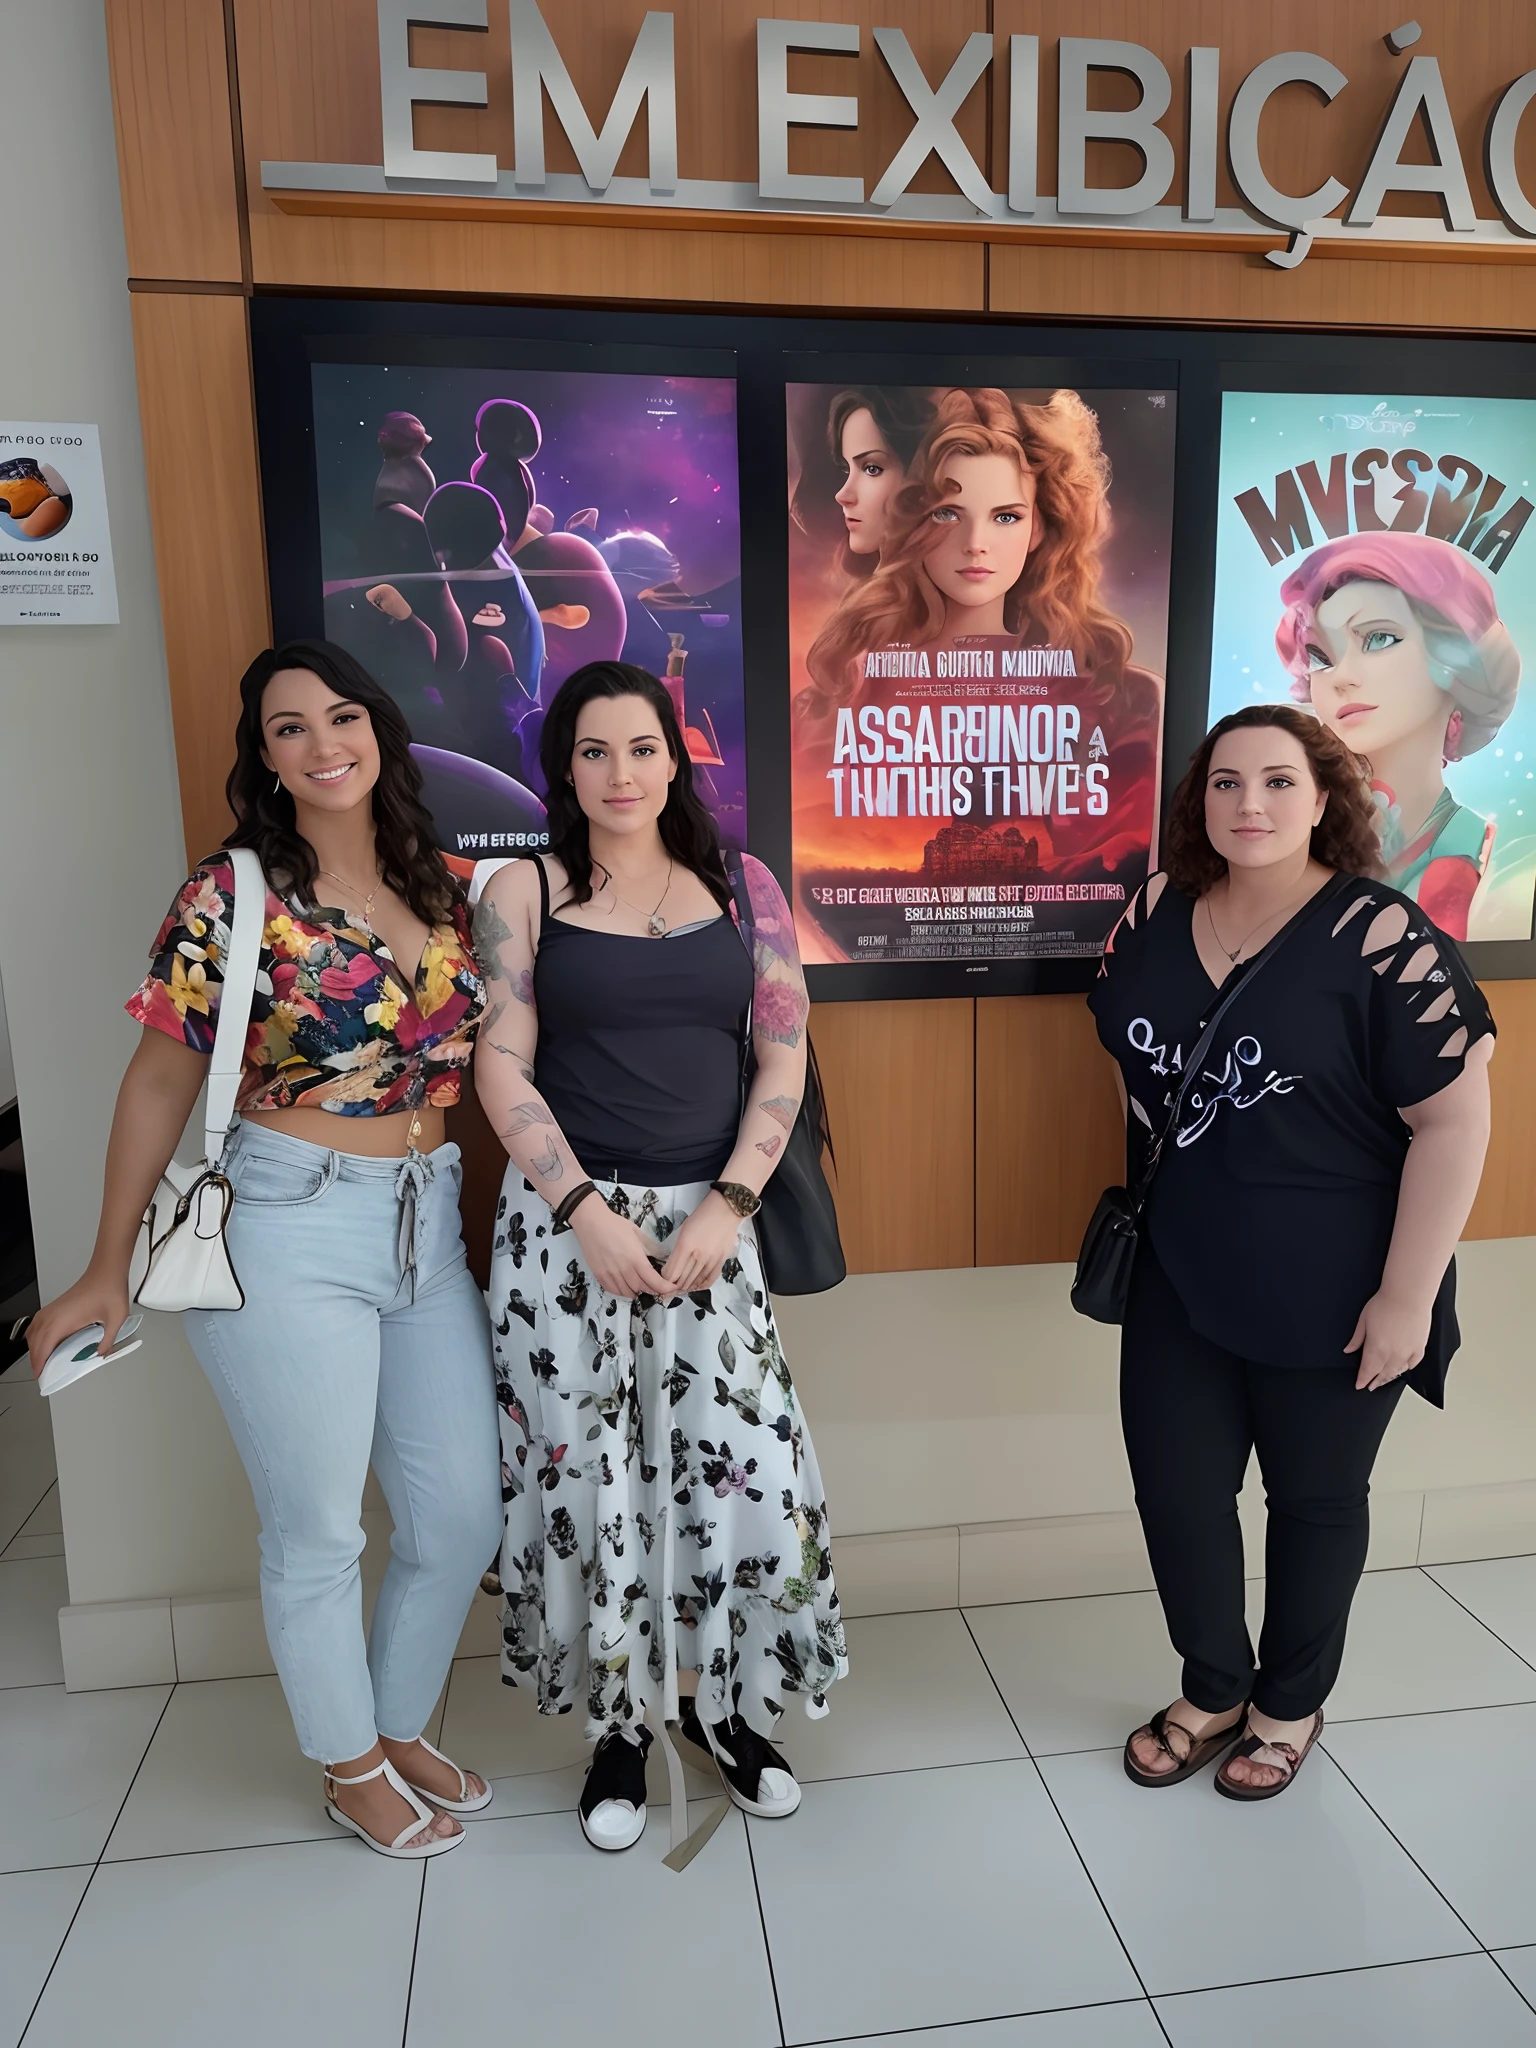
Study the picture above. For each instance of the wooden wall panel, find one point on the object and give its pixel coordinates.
(327, 254)
(900, 1096)
(309, 85)
(1158, 285)
(170, 89)
(1480, 44)
(193, 357)
(1506, 1202)
(1049, 1133)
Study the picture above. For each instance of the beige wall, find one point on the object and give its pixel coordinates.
(90, 828)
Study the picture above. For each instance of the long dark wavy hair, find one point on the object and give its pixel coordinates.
(1345, 838)
(687, 828)
(903, 415)
(404, 835)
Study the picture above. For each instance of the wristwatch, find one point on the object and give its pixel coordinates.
(740, 1198)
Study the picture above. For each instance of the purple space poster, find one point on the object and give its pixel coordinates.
(485, 532)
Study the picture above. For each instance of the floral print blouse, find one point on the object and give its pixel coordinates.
(334, 1023)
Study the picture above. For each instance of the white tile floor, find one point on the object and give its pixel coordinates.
(970, 1868)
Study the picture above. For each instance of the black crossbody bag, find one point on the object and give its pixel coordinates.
(1101, 1285)
(797, 1224)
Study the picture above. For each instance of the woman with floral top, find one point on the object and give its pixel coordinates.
(667, 1551)
(362, 1337)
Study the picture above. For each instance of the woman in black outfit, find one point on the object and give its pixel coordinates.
(667, 1555)
(1295, 1261)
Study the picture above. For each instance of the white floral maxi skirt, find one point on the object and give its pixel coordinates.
(663, 1505)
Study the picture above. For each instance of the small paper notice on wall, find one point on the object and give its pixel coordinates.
(55, 545)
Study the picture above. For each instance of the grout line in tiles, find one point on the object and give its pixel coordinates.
(331, 1838)
(1418, 1540)
(1476, 1617)
(1062, 1823)
(1493, 1957)
(410, 1986)
(762, 1921)
(992, 2019)
(1450, 1955)
(1418, 1866)
(31, 1511)
(95, 1867)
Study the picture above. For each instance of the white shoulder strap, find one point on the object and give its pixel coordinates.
(247, 922)
(484, 869)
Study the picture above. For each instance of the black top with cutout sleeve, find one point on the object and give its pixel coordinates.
(1273, 1204)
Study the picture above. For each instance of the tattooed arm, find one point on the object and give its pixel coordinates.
(506, 927)
(506, 942)
(779, 1012)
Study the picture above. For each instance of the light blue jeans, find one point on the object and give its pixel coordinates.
(363, 1338)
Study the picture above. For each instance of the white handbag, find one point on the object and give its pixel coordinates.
(181, 1259)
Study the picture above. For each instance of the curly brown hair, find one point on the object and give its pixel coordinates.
(1345, 838)
(1056, 598)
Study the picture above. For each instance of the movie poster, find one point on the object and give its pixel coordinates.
(486, 532)
(1373, 563)
(978, 622)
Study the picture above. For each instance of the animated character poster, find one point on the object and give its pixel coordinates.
(1373, 563)
(978, 619)
(485, 532)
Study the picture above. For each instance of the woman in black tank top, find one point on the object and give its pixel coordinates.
(667, 1554)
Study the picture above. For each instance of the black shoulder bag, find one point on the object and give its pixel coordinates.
(1102, 1282)
(797, 1224)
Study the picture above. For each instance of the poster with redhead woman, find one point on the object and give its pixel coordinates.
(1370, 564)
(978, 621)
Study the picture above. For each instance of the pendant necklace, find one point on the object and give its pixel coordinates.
(655, 923)
(1231, 952)
(367, 910)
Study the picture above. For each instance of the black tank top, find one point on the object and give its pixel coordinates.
(640, 1040)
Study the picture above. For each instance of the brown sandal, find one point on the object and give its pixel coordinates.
(1272, 1756)
(1195, 1758)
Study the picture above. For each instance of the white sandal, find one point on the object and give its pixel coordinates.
(463, 1804)
(403, 1846)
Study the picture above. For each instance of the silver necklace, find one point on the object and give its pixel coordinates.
(655, 923)
(1231, 952)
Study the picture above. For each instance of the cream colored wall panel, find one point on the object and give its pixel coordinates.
(907, 1571)
(1057, 1558)
(1466, 1522)
(125, 1642)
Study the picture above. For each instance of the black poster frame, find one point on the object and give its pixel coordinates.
(289, 331)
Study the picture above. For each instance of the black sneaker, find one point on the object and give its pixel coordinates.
(612, 1807)
(756, 1776)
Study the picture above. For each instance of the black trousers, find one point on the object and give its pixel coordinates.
(1192, 1413)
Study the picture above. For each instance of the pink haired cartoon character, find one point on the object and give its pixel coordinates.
(1396, 641)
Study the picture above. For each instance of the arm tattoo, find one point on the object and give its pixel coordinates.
(522, 1065)
(491, 933)
(549, 1165)
(522, 988)
(769, 1145)
(779, 1010)
(525, 1116)
(491, 1019)
(783, 1109)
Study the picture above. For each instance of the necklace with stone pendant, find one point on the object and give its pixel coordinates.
(655, 923)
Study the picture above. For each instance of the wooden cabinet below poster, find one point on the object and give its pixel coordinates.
(900, 1082)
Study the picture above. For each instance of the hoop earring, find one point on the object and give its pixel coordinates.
(277, 783)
